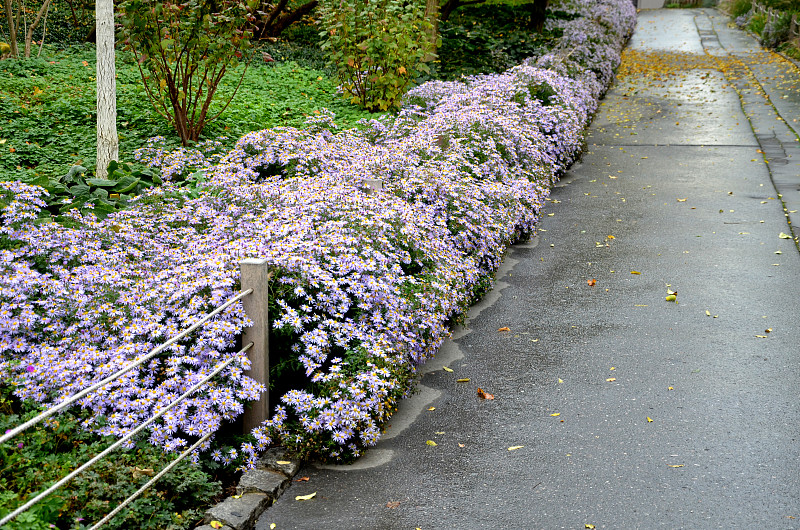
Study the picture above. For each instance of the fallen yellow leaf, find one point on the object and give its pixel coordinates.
(504, 329)
(649, 419)
(431, 408)
(670, 388)
(589, 526)
(613, 368)
(675, 465)
(682, 200)
(283, 462)
(273, 526)
(461, 445)
(768, 330)
(761, 336)
(784, 236)
(446, 369)
(215, 524)
(560, 380)
(635, 272)
(708, 313)
(611, 379)
(515, 447)
(463, 380)
(431, 443)
(556, 414)
(306, 497)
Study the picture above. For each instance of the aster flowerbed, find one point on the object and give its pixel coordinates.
(364, 285)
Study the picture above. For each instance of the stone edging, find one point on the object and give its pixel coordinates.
(257, 490)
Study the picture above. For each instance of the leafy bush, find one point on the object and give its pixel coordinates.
(184, 50)
(776, 30)
(489, 38)
(738, 8)
(756, 23)
(39, 456)
(376, 47)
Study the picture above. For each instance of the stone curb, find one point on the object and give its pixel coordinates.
(257, 490)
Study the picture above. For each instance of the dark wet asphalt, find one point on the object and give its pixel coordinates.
(680, 194)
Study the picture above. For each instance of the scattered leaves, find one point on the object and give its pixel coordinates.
(671, 298)
(591, 282)
(306, 497)
(485, 395)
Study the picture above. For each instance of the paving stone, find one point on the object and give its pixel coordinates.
(270, 460)
(262, 481)
(240, 513)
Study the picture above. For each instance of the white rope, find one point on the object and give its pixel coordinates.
(119, 442)
(155, 351)
(152, 481)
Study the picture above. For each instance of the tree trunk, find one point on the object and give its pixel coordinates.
(107, 139)
(12, 29)
(432, 14)
(538, 15)
(29, 36)
(290, 18)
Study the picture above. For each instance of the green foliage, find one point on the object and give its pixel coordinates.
(376, 47)
(488, 38)
(48, 113)
(756, 23)
(184, 50)
(740, 7)
(100, 196)
(41, 455)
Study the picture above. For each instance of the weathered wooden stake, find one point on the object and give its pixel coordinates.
(373, 185)
(254, 275)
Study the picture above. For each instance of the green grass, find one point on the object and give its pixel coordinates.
(48, 112)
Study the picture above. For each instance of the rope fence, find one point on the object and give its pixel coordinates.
(254, 297)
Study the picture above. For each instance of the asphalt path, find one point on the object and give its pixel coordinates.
(612, 406)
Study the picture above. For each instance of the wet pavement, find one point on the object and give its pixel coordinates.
(614, 407)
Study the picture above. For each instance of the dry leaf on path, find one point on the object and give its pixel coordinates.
(504, 329)
(302, 479)
(515, 447)
(485, 395)
(446, 369)
(463, 380)
(591, 282)
(306, 497)
(431, 443)
(393, 504)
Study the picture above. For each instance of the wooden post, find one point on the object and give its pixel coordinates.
(373, 185)
(254, 275)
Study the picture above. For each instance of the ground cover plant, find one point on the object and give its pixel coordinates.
(364, 287)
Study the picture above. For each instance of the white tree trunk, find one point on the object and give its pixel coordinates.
(107, 139)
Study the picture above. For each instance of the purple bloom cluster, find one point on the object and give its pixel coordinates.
(364, 283)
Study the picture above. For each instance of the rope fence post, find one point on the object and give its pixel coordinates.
(254, 275)
(373, 185)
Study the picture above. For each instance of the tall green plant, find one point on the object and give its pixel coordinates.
(184, 49)
(377, 47)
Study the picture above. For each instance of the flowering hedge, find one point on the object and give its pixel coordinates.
(364, 285)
